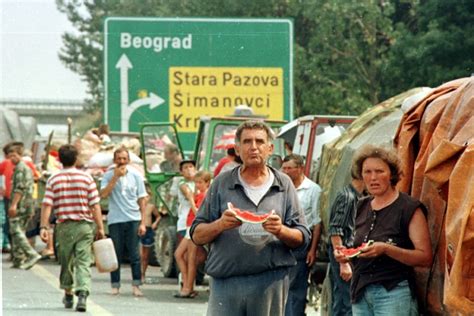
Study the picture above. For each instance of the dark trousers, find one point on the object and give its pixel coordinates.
(6, 224)
(260, 294)
(296, 303)
(341, 297)
(125, 236)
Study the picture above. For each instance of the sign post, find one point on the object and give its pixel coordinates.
(177, 69)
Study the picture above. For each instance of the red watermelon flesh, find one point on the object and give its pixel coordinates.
(354, 252)
(249, 217)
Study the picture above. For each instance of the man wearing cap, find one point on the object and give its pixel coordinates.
(249, 263)
(125, 188)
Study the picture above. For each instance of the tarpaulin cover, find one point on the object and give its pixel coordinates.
(436, 143)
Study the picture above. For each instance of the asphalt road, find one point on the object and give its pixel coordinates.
(36, 292)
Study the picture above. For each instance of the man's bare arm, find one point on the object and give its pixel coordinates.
(44, 222)
(105, 192)
(291, 237)
(205, 233)
(97, 214)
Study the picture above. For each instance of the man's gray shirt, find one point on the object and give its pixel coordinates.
(249, 249)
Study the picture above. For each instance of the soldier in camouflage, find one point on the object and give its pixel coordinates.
(21, 210)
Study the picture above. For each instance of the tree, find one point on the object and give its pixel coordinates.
(436, 47)
(348, 47)
(349, 54)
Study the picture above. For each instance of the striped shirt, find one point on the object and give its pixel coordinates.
(342, 218)
(71, 193)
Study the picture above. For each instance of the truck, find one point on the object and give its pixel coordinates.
(208, 150)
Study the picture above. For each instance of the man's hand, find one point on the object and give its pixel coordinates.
(346, 271)
(99, 234)
(310, 258)
(120, 171)
(12, 210)
(141, 229)
(44, 235)
(273, 225)
(228, 220)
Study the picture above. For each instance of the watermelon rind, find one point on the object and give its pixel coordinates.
(246, 220)
(252, 221)
(356, 254)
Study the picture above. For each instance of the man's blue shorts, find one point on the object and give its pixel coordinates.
(148, 239)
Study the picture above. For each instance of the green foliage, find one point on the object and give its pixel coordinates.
(349, 54)
(438, 47)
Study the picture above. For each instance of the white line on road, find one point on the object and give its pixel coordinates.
(92, 307)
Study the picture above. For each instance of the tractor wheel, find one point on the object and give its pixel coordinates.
(165, 245)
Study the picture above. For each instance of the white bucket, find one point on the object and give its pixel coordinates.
(105, 257)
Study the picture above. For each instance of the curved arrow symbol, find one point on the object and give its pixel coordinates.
(152, 100)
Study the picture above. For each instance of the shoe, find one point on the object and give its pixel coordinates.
(192, 294)
(81, 302)
(68, 300)
(30, 262)
(17, 263)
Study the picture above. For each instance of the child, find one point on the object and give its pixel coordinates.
(148, 239)
(186, 201)
(194, 254)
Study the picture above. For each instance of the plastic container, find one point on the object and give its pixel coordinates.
(105, 257)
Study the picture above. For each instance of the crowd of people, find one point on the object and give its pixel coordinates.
(254, 268)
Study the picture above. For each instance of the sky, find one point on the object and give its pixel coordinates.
(30, 41)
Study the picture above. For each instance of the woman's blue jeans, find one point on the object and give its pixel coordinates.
(376, 300)
(125, 236)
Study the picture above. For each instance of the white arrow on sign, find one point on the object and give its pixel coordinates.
(152, 100)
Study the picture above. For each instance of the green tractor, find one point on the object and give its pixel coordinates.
(211, 145)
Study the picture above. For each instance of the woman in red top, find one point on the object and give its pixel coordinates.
(194, 254)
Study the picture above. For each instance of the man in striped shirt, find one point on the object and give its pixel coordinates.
(73, 196)
(341, 233)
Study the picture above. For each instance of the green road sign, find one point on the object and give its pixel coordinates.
(177, 69)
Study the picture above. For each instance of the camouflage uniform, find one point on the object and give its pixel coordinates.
(22, 183)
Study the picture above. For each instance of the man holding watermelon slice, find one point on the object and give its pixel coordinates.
(248, 260)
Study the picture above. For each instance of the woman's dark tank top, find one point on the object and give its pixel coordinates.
(390, 225)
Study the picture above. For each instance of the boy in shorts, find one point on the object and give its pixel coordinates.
(148, 239)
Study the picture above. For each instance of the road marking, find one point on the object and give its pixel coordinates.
(44, 274)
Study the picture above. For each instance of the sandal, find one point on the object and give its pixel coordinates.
(189, 295)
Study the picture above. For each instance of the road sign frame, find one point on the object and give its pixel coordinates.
(287, 68)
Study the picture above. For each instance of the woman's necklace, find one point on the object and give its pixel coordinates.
(378, 205)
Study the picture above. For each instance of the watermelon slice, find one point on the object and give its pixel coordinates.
(249, 217)
(354, 252)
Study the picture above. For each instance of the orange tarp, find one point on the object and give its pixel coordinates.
(435, 141)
